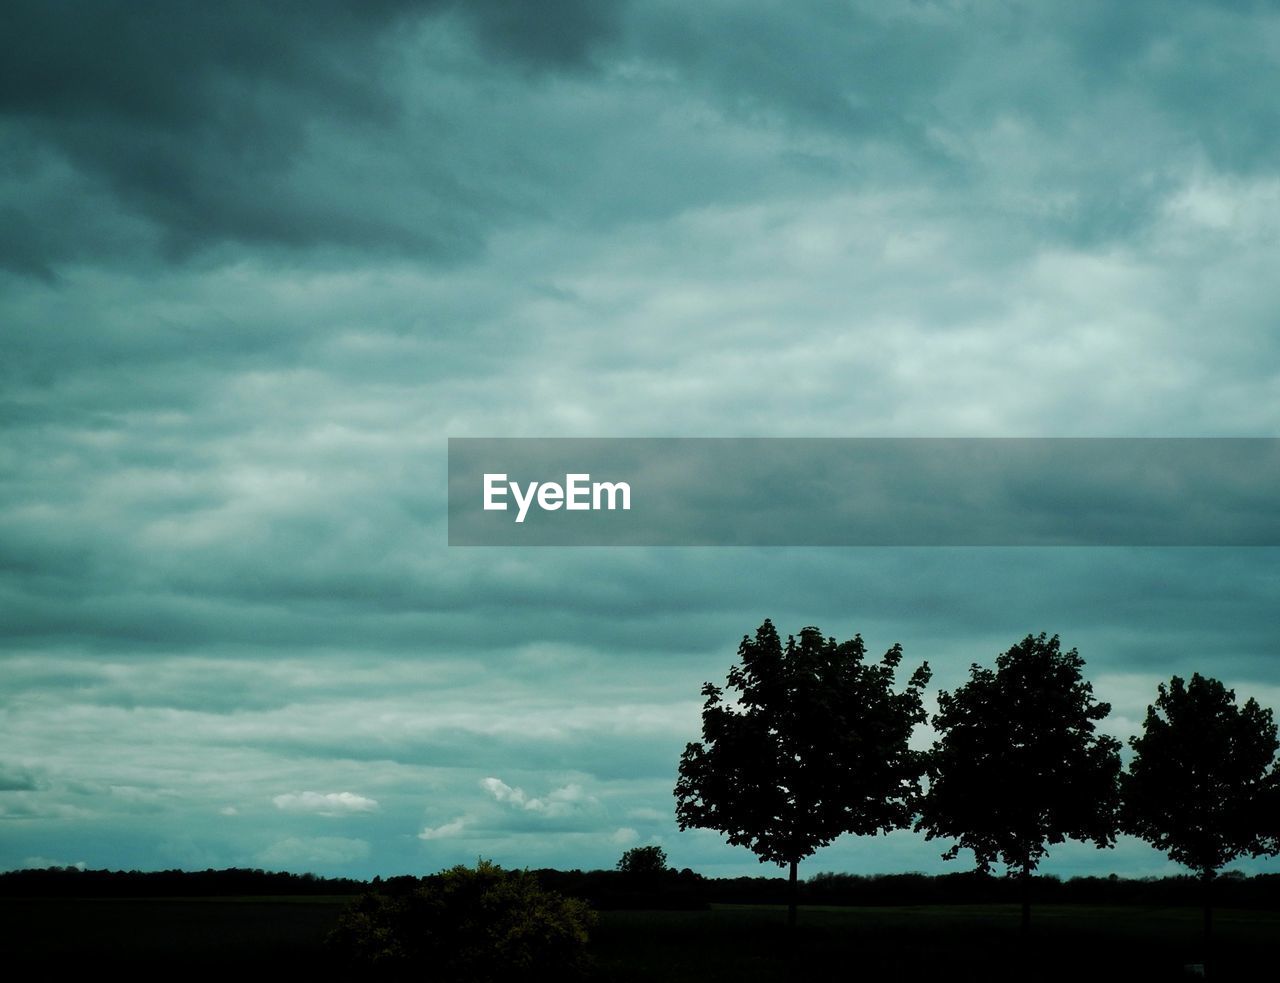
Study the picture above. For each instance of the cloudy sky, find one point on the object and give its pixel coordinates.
(258, 264)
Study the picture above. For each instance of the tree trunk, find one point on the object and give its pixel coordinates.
(791, 897)
(1208, 916)
(1026, 898)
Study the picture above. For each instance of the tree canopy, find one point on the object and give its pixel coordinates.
(643, 860)
(810, 742)
(1017, 765)
(1202, 776)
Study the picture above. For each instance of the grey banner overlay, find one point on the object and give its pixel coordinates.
(867, 491)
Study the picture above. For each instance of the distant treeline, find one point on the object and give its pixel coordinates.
(611, 889)
(1229, 890)
(71, 882)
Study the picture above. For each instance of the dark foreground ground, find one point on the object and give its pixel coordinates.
(172, 936)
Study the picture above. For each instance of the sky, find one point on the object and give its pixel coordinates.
(258, 264)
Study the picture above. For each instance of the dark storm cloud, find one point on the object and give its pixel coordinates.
(163, 62)
(207, 121)
(154, 61)
(17, 779)
(180, 111)
(554, 34)
(386, 129)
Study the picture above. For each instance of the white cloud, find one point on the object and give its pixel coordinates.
(326, 803)
(39, 863)
(559, 802)
(503, 792)
(625, 835)
(229, 811)
(445, 831)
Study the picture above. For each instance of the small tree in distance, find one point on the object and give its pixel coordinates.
(643, 860)
(813, 743)
(1202, 778)
(1017, 765)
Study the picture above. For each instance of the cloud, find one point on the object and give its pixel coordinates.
(555, 34)
(326, 803)
(182, 131)
(326, 850)
(559, 802)
(445, 831)
(40, 863)
(257, 264)
(27, 806)
(14, 778)
(624, 835)
(140, 127)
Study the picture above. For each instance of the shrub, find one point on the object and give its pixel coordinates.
(474, 924)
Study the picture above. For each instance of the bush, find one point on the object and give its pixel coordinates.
(480, 925)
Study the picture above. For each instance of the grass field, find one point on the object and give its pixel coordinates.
(961, 942)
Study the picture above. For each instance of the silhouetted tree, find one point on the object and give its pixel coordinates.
(811, 744)
(1017, 765)
(643, 860)
(1202, 779)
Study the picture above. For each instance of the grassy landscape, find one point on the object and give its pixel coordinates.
(161, 934)
(726, 942)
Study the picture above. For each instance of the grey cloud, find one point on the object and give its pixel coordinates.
(232, 125)
(23, 807)
(1129, 97)
(375, 130)
(555, 34)
(310, 851)
(166, 104)
(267, 260)
(14, 778)
(153, 61)
(598, 753)
(1219, 94)
(863, 68)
